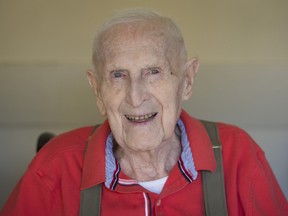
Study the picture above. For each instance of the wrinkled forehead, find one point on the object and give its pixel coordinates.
(128, 36)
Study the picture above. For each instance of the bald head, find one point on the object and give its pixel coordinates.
(144, 26)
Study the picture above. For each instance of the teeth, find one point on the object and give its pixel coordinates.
(140, 118)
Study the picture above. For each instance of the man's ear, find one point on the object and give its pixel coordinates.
(190, 70)
(91, 77)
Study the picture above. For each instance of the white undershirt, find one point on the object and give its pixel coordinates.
(155, 186)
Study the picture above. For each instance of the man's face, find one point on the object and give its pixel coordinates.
(139, 92)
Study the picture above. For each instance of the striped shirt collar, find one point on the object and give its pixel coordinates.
(185, 162)
(198, 142)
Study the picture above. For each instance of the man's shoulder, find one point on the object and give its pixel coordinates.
(229, 132)
(230, 129)
(66, 146)
(236, 140)
(74, 139)
(233, 133)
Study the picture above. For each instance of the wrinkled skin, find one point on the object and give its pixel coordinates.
(141, 93)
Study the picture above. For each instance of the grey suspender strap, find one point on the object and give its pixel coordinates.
(213, 183)
(90, 198)
(90, 201)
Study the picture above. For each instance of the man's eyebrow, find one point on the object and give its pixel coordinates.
(112, 70)
(151, 67)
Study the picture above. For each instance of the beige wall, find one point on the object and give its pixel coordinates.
(45, 48)
(246, 31)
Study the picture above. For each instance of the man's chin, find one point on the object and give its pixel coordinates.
(140, 143)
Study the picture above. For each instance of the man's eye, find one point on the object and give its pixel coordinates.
(154, 71)
(117, 74)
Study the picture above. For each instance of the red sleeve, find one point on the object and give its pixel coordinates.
(251, 187)
(266, 197)
(30, 197)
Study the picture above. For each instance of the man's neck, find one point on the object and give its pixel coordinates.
(150, 165)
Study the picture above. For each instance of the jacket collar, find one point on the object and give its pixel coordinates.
(94, 159)
(200, 143)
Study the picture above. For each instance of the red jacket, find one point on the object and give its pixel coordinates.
(52, 183)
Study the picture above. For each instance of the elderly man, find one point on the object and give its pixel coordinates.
(149, 154)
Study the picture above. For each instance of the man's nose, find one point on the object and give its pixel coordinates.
(137, 92)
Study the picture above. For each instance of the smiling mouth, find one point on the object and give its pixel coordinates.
(140, 118)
